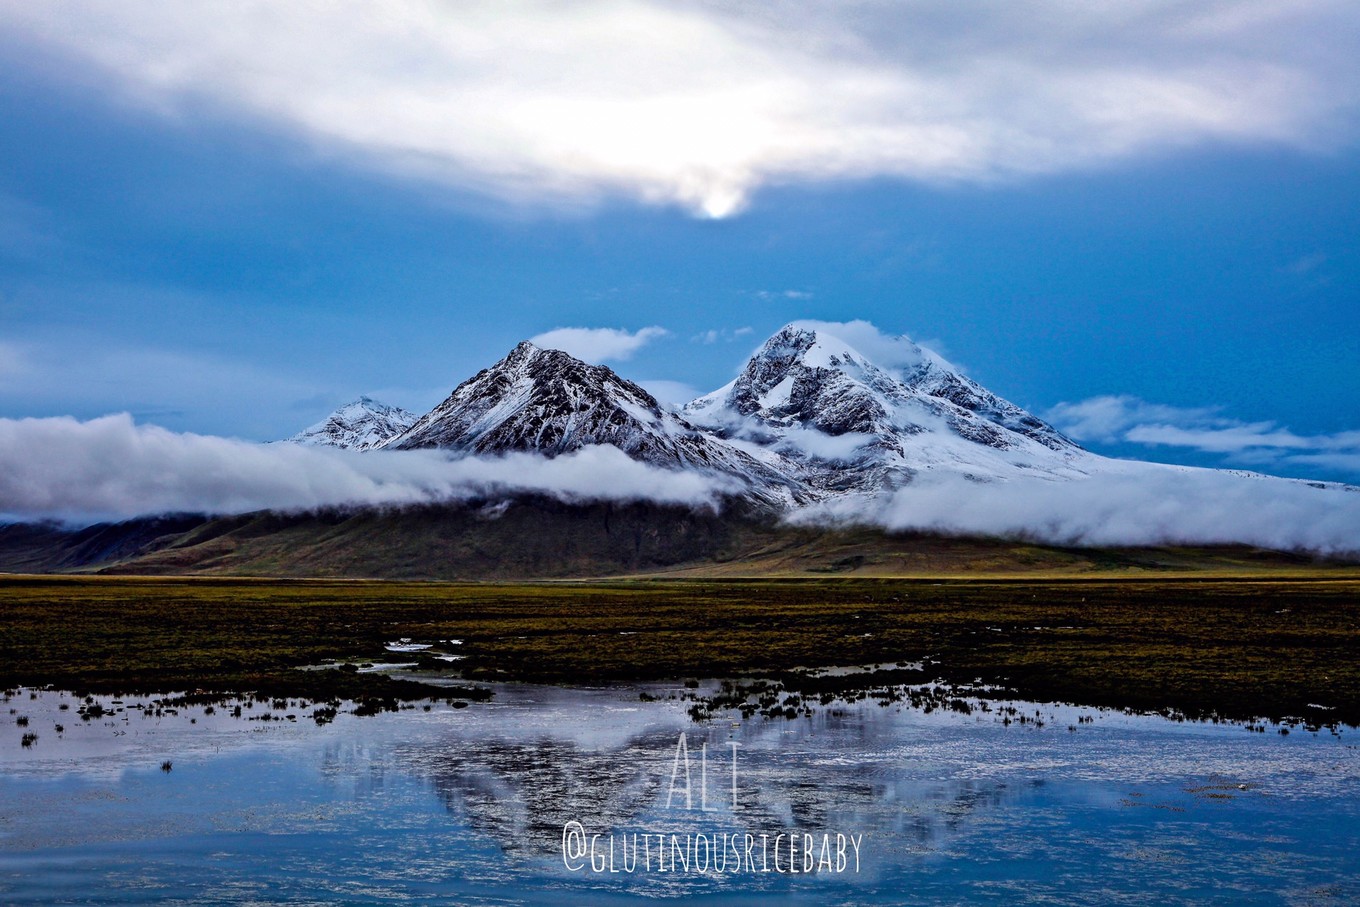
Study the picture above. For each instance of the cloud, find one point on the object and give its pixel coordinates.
(82, 369)
(1112, 419)
(669, 393)
(111, 468)
(1227, 439)
(1107, 418)
(1343, 461)
(598, 344)
(821, 446)
(701, 103)
(1142, 504)
(882, 349)
(713, 335)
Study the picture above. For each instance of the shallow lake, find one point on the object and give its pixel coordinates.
(521, 799)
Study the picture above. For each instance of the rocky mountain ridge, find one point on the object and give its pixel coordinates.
(855, 423)
(811, 415)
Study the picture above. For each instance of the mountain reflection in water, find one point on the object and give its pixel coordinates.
(472, 804)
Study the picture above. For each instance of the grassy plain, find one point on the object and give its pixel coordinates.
(1253, 645)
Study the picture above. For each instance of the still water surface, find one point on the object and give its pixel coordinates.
(883, 805)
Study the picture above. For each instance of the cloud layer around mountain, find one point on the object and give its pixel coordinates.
(1133, 504)
(701, 103)
(111, 468)
(1261, 445)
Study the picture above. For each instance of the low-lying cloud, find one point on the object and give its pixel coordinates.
(112, 468)
(1138, 504)
(702, 103)
(1124, 418)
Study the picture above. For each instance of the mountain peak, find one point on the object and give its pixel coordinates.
(524, 350)
(858, 340)
(361, 424)
(512, 405)
(855, 406)
(787, 373)
(549, 402)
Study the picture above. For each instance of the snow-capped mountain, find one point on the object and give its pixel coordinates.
(821, 414)
(549, 402)
(361, 425)
(818, 410)
(856, 413)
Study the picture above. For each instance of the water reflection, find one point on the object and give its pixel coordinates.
(466, 804)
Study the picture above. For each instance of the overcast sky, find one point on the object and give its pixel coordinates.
(1138, 219)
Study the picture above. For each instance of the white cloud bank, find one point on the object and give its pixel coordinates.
(1141, 504)
(700, 103)
(111, 468)
(1111, 419)
(598, 344)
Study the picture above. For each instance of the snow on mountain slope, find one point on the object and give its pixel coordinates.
(858, 419)
(361, 425)
(548, 402)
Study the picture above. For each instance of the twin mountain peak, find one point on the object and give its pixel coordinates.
(816, 410)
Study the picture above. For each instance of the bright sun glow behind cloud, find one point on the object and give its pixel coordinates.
(700, 104)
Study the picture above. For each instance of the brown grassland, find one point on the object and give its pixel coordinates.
(1261, 644)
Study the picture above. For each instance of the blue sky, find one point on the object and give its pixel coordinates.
(1140, 222)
